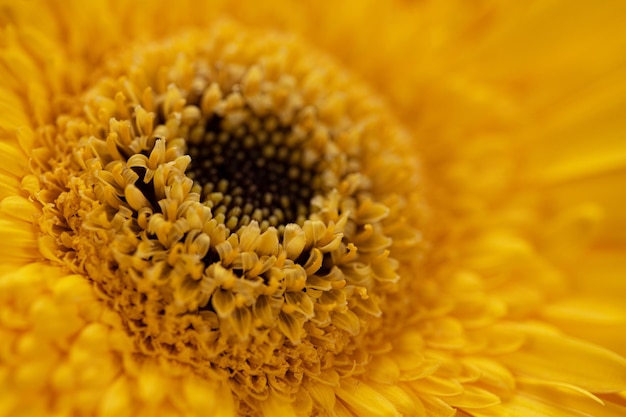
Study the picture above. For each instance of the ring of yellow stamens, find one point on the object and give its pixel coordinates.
(268, 286)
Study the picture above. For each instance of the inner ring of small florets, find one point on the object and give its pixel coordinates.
(253, 168)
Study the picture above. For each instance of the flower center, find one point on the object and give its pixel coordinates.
(252, 168)
(235, 200)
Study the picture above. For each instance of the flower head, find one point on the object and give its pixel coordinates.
(207, 217)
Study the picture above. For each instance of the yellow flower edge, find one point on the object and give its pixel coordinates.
(472, 334)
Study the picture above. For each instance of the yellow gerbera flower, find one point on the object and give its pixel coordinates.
(292, 208)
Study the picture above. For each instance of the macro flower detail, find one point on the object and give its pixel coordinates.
(226, 207)
(211, 217)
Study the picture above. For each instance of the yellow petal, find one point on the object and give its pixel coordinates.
(598, 320)
(523, 405)
(601, 191)
(364, 400)
(555, 357)
(491, 372)
(202, 396)
(403, 400)
(274, 406)
(437, 407)
(116, 401)
(473, 397)
(19, 208)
